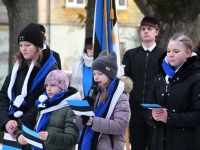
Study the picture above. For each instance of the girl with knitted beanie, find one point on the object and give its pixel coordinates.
(26, 82)
(55, 120)
(106, 130)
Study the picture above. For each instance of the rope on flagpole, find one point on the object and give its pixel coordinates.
(112, 18)
(106, 25)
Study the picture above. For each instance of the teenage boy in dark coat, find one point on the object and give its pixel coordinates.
(45, 46)
(141, 66)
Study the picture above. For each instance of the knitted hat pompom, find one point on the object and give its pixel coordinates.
(42, 98)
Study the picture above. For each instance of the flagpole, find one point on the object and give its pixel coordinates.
(106, 25)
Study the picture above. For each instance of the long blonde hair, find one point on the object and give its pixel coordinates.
(37, 58)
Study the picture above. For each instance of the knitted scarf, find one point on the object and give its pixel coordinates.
(77, 73)
(171, 71)
(89, 133)
(16, 102)
(58, 101)
(87, 79)
(168, 69)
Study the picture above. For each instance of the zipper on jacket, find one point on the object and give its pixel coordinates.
(145, 74)
(167, 85)
(166, 88)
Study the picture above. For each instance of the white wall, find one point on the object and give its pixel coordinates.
(68, 41)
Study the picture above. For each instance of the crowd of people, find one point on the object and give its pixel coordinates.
(34, 94)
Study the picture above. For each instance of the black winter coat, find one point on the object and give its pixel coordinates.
(182, 99)
(142, 70)
(30, 112)
(56, 56)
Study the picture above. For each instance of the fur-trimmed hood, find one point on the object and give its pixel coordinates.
(128, 83)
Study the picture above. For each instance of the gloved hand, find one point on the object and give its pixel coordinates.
(87, 120)
(121, 71)
(90, 100)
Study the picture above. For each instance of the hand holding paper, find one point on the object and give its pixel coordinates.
(32, 137)
(86, 120)
(153, 106)
(159, 114)
(43, 135)
(22, 140)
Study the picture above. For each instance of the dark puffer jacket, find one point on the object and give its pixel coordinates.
(30, 112)
(63, 133)
(182, 100)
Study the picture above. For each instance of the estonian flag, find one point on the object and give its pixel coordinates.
(80, 107)
(105, 33)
(32, 137)
(9, 143)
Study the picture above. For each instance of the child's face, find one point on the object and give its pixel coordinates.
(90, 52)
(27, 49)
(52, 89)
(177, 53)
(148, 33)
(100, 77)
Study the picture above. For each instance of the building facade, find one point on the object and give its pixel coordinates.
(65, 33)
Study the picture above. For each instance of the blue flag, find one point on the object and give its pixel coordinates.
(9, 143)
(80, 107)
(32, 137)
(105, 33)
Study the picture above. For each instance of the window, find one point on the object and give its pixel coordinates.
(121, 4)
(76, 3)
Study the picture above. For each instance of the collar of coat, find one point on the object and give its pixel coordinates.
(192, 65)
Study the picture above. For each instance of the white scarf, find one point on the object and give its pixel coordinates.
(87, 60)
(20, 98)
(115, 98)
(62, 104)
(77, 73)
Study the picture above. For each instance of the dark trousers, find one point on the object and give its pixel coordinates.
(140, 132)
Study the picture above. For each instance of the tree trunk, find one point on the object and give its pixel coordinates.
(174, 16)
(20, 13)
(168, 29)
(90, 17)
